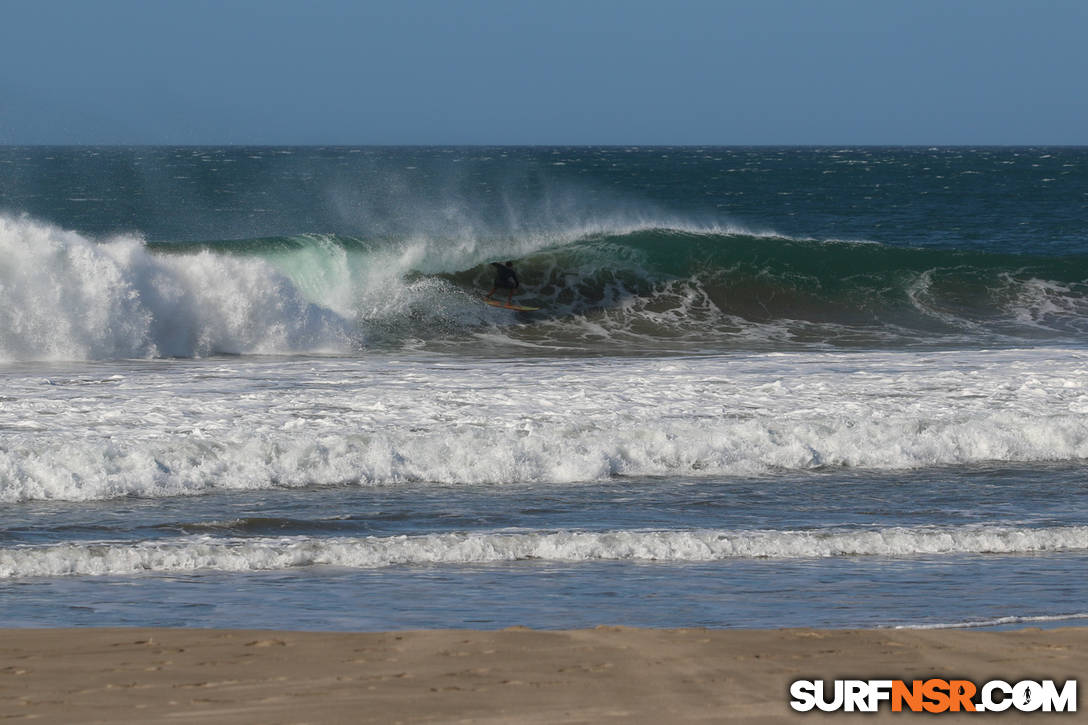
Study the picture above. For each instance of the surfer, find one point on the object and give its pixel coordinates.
(506, 278)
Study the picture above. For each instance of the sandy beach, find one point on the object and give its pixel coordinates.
(516, 675)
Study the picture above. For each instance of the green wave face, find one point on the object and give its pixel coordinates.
(683, 287)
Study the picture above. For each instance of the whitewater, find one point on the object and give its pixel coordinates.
(767, 387)
(186, 427)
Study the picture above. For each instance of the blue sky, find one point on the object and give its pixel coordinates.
(547, 72)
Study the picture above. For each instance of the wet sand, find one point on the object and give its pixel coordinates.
(608, 674)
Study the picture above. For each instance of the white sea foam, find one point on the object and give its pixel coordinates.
(258, 554)
(1047, 305)
(184, 427)
(1005, 621)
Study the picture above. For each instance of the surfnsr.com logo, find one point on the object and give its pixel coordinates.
(933, 695)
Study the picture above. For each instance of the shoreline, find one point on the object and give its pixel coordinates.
(517, 675)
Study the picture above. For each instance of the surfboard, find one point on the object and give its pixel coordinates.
(503, 305)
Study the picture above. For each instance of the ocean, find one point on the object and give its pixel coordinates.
(767, 387)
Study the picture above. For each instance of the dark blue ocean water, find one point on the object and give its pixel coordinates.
(767, 387)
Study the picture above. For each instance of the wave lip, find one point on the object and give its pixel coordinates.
(264, 554)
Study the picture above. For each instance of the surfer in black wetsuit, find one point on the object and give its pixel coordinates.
(506, 278)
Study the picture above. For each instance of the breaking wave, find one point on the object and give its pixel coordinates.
(262, 554)
(615, 286)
